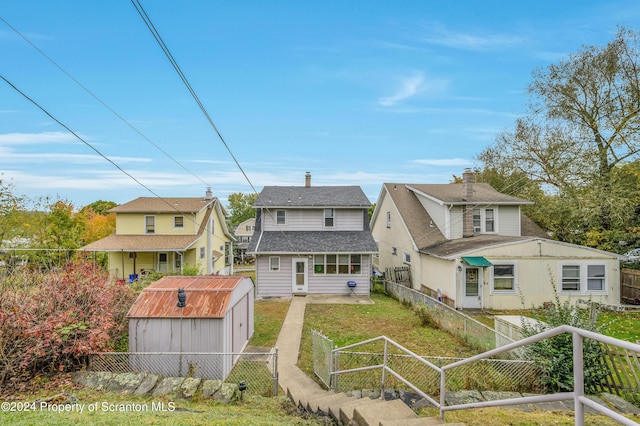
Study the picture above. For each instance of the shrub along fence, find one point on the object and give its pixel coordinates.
(476, 334)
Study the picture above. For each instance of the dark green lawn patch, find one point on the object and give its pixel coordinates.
(268, 318)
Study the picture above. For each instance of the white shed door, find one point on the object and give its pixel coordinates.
(240, 324)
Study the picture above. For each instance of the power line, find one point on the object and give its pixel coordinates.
(102, 102)
(41, 108)
(174, 63)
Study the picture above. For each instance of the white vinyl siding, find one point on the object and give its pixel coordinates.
(314, 220)
(278, 283)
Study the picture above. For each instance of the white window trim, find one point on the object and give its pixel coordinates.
(202, 252)
(324, 218)
(515, 279)
(483, 220)
(174, 222)
(583, 278)
(406, 258)
(389, 219)
(154, 225)
(349, 264)
(276, 217)
(269, 266)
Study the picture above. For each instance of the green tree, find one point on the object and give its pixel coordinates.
(100, 207)
(240, 208)
(582, 124)
(11, 211)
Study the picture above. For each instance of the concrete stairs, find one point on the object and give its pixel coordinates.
(349, 410)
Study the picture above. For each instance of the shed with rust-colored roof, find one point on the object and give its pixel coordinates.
(217, 318)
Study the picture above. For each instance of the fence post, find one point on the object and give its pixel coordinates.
(384, 368)
(578, 378)
(275, 372)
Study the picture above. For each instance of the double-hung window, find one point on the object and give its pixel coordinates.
(484, 220)
(583, 277)
(570, 278)
(178, 222)
(328, 218)
(274, 263)
(504, 277)
(281, 217)
(149, 224)
(595, 277)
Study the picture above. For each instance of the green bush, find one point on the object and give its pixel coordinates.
(555, 354)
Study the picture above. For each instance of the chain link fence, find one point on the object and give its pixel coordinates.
(258, 369)
(476, 334)
(502, 375)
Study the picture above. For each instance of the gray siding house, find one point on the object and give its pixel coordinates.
(312, 240)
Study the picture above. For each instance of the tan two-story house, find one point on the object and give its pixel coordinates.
(473, 247)
(167, 235)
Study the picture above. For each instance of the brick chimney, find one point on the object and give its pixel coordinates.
(307, 180)
(468, 179)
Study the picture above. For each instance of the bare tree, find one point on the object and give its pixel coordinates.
(583, 121)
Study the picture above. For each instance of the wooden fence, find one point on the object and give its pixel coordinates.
(630, 286)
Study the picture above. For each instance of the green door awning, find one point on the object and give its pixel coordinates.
(477, 261)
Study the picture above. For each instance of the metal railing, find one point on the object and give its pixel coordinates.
(258, 369)
(450, 374)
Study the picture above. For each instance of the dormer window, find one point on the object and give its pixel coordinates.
(484, 221)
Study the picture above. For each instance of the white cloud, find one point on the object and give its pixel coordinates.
(467, 41)
(412, 86)
(447, 162)
(35, 138)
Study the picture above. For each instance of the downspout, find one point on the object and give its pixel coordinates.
(122, 258)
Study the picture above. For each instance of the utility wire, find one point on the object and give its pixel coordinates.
(174, 63)
(41, 108)
(101, 101)
(183, 77)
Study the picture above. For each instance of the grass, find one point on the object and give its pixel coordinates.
(112, 410)
(347, 324)
(268, 319)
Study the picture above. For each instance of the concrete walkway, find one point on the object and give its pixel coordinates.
(306, 393)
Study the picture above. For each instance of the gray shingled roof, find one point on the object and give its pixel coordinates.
(314, 196)
(313, 242)
(429, 239)
(455, 193)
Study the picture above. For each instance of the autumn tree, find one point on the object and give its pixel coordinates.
(240, 208)
(582, 126)
(11, 210)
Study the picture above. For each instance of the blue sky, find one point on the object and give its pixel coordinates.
(356, 92)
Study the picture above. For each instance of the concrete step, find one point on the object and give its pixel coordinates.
(322, 403)
(301, 395)
(343, 413)
(421, 421)
(375, 414)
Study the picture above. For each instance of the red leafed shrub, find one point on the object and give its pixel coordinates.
(51, 321)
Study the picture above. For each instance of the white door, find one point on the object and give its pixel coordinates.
(163, 261)
(299, 279)
(472, 288)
